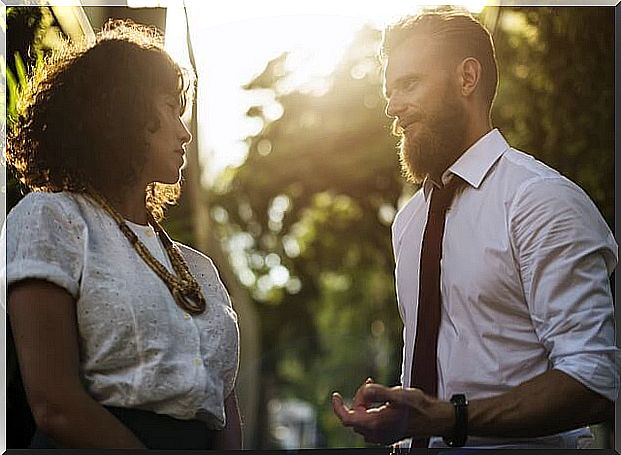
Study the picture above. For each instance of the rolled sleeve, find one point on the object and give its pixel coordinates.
(44, 240)
(566, 252)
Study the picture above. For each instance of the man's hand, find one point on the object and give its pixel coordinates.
(387, 415)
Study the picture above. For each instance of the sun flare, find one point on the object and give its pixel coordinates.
(234, 41)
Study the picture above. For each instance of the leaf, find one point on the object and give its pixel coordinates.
(12, 88)
(22, 75)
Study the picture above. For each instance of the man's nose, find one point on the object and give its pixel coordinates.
(395, 106)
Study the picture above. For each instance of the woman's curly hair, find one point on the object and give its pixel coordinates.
(83, 117)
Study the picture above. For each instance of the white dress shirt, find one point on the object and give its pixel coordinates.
(138, 348)
(524, 281)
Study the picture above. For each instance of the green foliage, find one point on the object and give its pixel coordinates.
(556, 98)
(14, 84)
(321, 184)
(27, 28)
(316, 197)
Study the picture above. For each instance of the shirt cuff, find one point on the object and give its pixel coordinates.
(42, 271)
(598, 372)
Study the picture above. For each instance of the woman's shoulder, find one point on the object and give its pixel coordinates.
(195, 257)
(200, 263)
(36, 201)
(45, 207)
(205, 271)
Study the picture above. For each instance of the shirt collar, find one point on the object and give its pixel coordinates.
(474, 164)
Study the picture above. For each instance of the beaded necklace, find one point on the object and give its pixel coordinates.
(183, 287)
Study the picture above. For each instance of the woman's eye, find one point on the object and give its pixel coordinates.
(174, 109)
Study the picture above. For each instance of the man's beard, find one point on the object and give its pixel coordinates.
(436, 145)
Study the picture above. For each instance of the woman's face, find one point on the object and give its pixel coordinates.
(166, 144)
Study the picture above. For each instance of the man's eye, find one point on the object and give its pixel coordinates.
(410, 85)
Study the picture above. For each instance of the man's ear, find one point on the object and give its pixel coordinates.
(469, 73)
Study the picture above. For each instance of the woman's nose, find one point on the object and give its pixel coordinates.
(185, 135)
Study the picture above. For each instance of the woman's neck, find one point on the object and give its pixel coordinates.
(130, 203)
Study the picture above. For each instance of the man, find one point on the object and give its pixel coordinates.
(524, 344)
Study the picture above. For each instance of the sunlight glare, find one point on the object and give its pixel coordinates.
(475, 6)
(234, 40)
(175, 35)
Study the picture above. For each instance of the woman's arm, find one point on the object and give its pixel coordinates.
(44, 325)
(230, 438)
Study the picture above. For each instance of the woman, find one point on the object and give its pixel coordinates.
(124, 338)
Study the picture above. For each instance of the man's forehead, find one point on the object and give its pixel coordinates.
(415, 54)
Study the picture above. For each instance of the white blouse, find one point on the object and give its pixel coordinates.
(138, 348)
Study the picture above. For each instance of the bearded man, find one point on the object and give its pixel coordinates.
(502, 267)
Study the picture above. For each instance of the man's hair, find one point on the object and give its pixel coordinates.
(82, 120)
(460, 36)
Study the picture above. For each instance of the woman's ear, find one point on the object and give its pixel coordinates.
(469, 73)
(153, 125)
(153, 122)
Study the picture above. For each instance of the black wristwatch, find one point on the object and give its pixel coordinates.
(460, 430)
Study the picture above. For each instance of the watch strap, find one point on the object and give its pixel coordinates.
(460, 430)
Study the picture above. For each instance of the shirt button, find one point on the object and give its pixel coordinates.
(149, 232)
(197, 361)
(186, 316)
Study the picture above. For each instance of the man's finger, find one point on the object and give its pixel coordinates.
(359, 401)
(371, 395)
(376, 393)
(340, 409)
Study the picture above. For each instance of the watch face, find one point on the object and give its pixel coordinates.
(459, 398)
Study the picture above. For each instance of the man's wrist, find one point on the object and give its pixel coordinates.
(459, 434)
(445, 419)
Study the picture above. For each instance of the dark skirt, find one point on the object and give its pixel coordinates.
(156, 431)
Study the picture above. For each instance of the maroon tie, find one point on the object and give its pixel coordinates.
(424, 372)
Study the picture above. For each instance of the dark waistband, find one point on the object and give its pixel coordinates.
(156, 431)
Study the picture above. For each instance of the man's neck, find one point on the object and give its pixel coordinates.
(472, 138)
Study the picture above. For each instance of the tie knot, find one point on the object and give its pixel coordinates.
(441, 197)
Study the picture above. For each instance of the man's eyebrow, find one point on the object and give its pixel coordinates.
(399, 82)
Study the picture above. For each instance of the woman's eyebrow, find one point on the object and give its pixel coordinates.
(170, 98)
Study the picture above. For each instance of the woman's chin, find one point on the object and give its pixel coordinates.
(170, 180)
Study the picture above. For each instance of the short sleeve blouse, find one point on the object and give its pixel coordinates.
(138, 349)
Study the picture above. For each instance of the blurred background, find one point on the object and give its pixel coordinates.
(292, 179)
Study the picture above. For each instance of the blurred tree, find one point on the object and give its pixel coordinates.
(305, 219)
(306, 222)
(556, 97)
